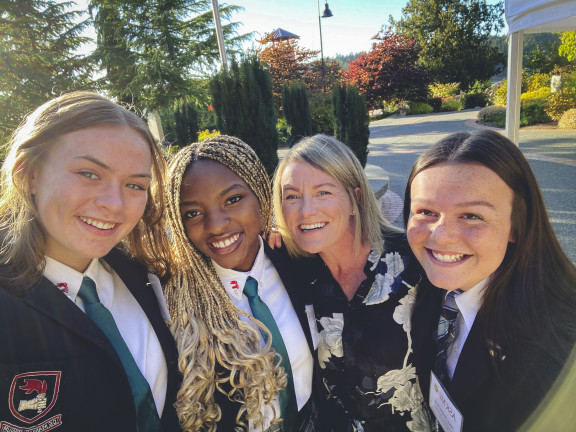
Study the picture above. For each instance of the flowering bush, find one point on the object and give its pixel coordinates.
(560, 102)
(568, 119)
(444, 90)
(202, 135)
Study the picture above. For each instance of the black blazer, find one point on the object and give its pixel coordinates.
(490, 398)
(46, 340)
(288, 272)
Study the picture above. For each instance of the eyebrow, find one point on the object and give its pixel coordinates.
(106, 167)
(223, 193)
(317, 186)
(462, 204)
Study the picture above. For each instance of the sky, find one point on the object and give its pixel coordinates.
(349, 30)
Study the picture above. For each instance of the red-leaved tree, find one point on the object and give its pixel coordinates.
(390, 71)
(288, 62)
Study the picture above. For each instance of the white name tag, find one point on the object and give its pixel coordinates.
(312, 324)
(447, 415)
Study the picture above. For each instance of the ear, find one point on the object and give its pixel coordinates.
(512, 237)
(357, 193)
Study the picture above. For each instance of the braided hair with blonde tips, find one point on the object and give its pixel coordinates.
(218, 351)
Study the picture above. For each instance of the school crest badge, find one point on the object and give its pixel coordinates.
(33, 395)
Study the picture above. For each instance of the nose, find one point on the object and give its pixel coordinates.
(307, 206)
(444, 232)
(110, 197)
(216, 222)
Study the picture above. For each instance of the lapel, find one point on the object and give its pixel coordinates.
(425, 315)
(135, 277)
(286, 270)
(47, 299)
(473, 367)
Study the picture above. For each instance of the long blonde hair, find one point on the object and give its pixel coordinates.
(23, 240)
(219, 352)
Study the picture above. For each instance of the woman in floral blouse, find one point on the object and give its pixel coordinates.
(360, 280)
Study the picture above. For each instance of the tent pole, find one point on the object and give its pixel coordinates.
(515, 50)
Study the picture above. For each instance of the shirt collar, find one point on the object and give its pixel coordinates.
(470, 301)
(67, 279)
(234, 281)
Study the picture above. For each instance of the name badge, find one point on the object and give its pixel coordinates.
(443, 407)
(311, 315)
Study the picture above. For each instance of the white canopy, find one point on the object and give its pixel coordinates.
(530, 16)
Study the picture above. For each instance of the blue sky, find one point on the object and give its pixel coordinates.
(351, 28)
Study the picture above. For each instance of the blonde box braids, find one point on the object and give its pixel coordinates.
(218, 350)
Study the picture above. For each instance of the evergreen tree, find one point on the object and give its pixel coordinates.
(153, 50)
(38, 60)
(455, 37)
(244, 104)
(296, 111)
(186, 124)
(352, 120)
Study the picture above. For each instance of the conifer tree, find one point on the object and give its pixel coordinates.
(296, 111)
(244, 106)
(38, 60)
(352, 120)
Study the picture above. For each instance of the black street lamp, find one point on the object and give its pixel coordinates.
(326, 14)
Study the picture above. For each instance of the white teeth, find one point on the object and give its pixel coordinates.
(97, 224)
(308, 227)
(448, 258)
(227, 242)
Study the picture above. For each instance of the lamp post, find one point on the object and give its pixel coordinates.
(326, 14)
(219, 34)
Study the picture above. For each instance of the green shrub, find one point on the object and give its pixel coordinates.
(444, 90)
(568, 120)
(451, 105)
(537, 81)
(499, 95)
(322, 113)
(533, 113)
(539, 94)
(419, 108)
(560, 102)
(473, 100)
(492, 114)
(282, 128)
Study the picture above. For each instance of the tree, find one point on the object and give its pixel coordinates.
(152, 50)
(296, 111)
(352, 120)
(390, 71)
(568, 47)
(287, 61)
(38, 41)
(455, 37)
(244, 106)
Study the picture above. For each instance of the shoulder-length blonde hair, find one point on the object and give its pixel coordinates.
(219, 352)
(334, 158)
(23, 240)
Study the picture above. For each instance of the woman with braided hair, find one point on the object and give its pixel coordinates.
(244, 355)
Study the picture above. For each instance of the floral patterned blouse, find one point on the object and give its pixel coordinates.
(364, 346)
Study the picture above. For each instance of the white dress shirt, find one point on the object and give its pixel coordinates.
(272, 292)
(469, 303)
(130, 319)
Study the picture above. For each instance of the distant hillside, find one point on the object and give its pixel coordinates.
(344, 59)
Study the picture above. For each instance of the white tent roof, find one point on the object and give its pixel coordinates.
(538, 16)
(530, 16)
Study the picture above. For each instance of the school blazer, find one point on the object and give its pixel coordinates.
(489, 399)
(287, 271)
(59, 372)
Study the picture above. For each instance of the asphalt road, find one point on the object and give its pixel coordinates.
(396, 142)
